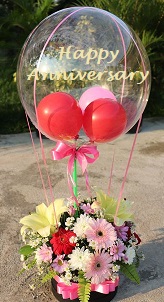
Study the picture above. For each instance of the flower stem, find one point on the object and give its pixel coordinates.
(75, 190)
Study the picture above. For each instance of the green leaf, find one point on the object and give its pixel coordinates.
(129, 270)
(26, 250)
(84, 288)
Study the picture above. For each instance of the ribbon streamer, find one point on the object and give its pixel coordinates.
(86, 154)
(71, 291)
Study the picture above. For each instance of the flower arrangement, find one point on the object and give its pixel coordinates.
(82, 243)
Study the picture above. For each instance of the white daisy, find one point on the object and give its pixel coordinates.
(81, 225)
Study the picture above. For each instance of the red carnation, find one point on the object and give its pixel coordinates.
(61, 242)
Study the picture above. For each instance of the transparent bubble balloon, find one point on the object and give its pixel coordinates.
(79, 68)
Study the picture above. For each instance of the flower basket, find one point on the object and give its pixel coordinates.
(81, 248)
(65, 293)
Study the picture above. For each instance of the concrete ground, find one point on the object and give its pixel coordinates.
(21, 190)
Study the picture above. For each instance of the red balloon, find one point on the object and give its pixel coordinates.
(59, 116)
(104, 120)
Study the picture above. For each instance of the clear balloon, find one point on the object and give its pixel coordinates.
(77, 49)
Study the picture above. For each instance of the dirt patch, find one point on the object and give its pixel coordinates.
(31, 175)
(13, 198)
(153, 149)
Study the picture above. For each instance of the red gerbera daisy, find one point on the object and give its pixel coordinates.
(61, 242)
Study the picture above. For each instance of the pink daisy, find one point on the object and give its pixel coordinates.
(117, 251)
(101, 233)
(98, 267)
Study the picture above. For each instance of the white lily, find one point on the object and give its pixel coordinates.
(46, 219)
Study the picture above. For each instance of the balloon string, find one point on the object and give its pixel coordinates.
(46, 168)
(126, 170)
(87, 183)
(111, 173)
(41, 143)
(40, 172)
(37, 160)
(50, 36)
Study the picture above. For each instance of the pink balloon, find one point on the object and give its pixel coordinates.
(93, 94)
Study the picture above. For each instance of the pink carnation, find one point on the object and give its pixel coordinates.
(44, 253)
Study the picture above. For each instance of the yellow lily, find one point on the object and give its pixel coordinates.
(109, 205)
(45, 219)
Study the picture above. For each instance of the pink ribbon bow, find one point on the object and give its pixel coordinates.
(86, 154)
(82, 154)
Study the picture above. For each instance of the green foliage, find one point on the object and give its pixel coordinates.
(26, 250)
(12, 117)
(30, 265)
(51, 274)
(129, 270)
(84, 288)
(17, 20)
(150, 40)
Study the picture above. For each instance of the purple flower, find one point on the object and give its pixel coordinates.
(59, 265)
(87, 208)
(122, 232)
(117, 251)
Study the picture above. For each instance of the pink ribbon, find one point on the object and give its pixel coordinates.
(62, 150)
(67, 291)
(86, 154)
(106, 287)
(71, 291)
